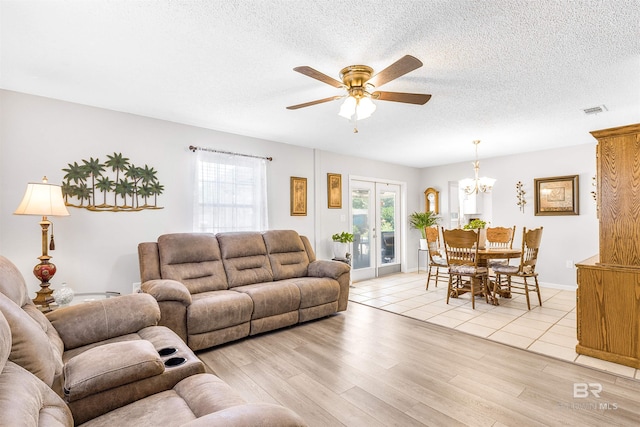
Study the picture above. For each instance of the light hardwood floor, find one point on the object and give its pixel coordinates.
(369, 367)
(548, 330)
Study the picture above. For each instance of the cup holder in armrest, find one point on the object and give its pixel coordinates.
(168, 351)
(174, 361)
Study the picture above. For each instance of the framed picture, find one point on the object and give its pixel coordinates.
(298, 196)
(334, 190)
(557, 195)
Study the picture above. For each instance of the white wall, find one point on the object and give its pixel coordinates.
(565, 238)
(330, 220)
(97, 251)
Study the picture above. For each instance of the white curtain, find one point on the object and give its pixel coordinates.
(230, 193)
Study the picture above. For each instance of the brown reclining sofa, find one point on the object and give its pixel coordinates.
(213, 289)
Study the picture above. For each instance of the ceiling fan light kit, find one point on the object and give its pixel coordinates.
(357, 108)
(357, 81)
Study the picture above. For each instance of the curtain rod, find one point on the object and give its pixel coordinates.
(193, 148)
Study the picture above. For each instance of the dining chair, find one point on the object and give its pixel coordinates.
(436, 258)
(516, 276)
(461, 248)
(500, 238)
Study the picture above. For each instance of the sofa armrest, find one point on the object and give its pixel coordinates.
(100, 320)
(250, 414)
(109, 366)
(167, 290)
(335, 270)
(326, 268)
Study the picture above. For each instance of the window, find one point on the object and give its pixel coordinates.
(231, 193)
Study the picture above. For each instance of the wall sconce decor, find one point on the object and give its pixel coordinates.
(42, 198)
(520, 196)
(128, 188)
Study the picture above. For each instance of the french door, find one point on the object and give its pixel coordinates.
(375, 219)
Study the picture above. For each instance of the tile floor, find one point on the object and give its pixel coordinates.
(549, 330)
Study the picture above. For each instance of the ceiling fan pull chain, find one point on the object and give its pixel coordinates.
(355, 123)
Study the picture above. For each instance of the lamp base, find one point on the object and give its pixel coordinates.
(44, 272)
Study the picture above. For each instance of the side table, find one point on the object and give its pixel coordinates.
(82, 297)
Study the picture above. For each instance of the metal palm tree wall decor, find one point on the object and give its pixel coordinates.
(115, 185)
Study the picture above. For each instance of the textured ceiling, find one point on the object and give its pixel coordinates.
(514, 74)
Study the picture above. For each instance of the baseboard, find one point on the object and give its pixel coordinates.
(558, 286)
(542, 284)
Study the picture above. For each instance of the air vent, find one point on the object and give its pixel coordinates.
(595, 110)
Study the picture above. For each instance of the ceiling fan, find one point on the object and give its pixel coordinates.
(360, 87)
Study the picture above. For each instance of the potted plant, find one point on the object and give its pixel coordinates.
(421, 220)
(478, 224)
(341, 245)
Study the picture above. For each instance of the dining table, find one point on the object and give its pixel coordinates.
(484, 255)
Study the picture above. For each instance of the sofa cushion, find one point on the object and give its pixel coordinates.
(26, 401)
(32, 348)
(210, 311)
(193, 259)
(149, 261)
(316, 290)
(104, 319)
(12, 283)
(193, 397)
(309, 248)
(287, 254)
(5, 341)
(99, 403)
(30, 328)
(244, 255)
(272, 298)
(110, 366)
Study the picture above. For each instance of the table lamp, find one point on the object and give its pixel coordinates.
(42, 198)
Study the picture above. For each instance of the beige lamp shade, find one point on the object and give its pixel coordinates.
(44, 199)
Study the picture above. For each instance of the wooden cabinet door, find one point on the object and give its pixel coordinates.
(608, 310)
(618, 169)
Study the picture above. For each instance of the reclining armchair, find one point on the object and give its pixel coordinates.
(99, 355)
(199, 400)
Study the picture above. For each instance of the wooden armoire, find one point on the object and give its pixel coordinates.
(608, 295)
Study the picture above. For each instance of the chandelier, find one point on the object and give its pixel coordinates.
(477, 185)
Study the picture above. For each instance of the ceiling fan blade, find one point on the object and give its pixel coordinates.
(399, 68)
(309, 104)
(315, 74)
(409, 98)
